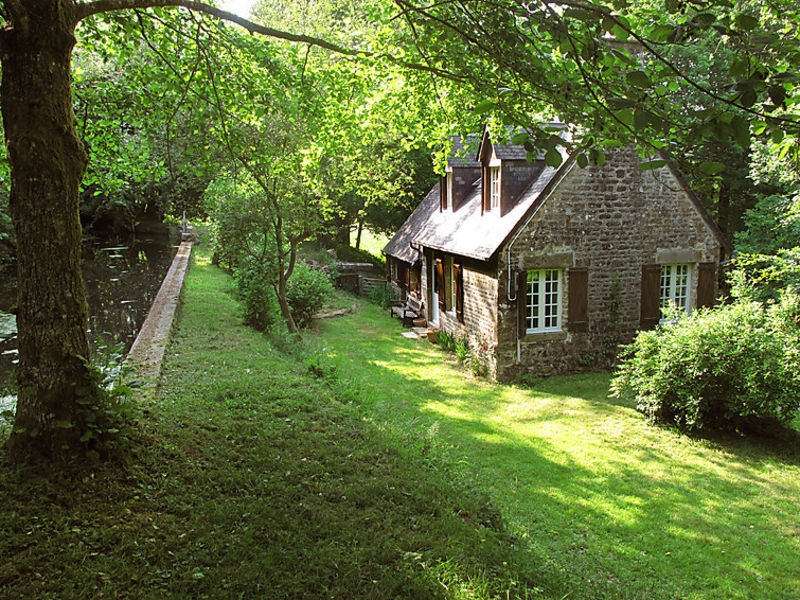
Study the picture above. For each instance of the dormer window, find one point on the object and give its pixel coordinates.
(494, 188)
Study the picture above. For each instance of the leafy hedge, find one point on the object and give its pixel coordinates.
(732, 368)
(306, 292)
(254, 287)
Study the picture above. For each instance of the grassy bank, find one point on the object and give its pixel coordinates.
(251, 479)
(608, 506)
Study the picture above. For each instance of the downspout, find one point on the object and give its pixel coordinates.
(514, 239)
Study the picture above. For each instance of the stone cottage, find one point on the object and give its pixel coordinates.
(545, 269)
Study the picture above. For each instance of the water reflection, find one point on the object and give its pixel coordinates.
(121, 278)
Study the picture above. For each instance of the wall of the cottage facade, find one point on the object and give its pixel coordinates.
(611, 219)
(480, 306)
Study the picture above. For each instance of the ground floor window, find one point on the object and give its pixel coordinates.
(675, 286)
(543, 300)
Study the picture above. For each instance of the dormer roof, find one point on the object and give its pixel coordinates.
(468, 232)
(462, 154)
(511, 151)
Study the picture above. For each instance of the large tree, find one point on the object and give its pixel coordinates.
(47, 164)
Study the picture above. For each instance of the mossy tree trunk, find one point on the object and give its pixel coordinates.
(47, 162)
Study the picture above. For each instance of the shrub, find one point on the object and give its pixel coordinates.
(253, 283)
(447, 340)
(763, 277)
(306, 292)
(732, 368)
(380, 295)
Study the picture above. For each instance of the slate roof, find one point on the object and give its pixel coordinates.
(464, 152)
(512, 151)
(467, 232)
(400, 244)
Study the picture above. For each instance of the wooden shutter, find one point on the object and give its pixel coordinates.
(440, 284)
(577, 319)
(458, 291)
(522, 303)
(442, 192)
(651, 296)
(706, 284)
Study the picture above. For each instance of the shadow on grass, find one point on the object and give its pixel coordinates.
(610, 507)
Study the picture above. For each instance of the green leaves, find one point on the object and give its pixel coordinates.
(638, 79)
(711, 167)
(650, 165)
(746, 22)
(552, 157)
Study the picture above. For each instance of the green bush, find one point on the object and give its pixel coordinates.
(732, 368)
(763, 277)
(306, 292)
(380, 295)
(253, 283)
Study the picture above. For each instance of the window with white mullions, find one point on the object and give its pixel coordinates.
(494, 188)
(675, 286)
(543, 300)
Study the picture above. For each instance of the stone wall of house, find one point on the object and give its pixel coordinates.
(612, 220)
(480, 309)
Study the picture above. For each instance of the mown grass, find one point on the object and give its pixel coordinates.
(609, 506)
(371, 241)
(251, 479)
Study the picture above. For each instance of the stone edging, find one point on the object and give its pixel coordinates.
(147, 353)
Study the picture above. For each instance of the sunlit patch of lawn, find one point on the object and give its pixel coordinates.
(609, 506)
(371, 241)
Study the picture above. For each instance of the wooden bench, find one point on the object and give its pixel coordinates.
(412, 308)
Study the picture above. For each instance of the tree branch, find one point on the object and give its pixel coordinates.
(101, 6)
(88, 9)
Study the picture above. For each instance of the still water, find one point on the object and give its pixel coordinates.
(122, 279)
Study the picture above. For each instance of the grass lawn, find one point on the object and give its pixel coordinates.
(250, 479)
(370, 241)
(608, 506)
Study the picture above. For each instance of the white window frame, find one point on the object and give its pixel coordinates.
(542, 302)
(448, 196)
(675, 287)
(494, 188)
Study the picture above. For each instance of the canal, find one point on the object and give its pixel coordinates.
(122, 279)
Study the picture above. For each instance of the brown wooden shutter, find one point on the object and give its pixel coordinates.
(577, 319)
(440, 284)
(651, 296)
(522, 303)
(458, 291)
(442, 192)
(706, 284)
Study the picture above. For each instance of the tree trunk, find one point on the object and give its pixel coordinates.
(47, 165)
(280, 292)
(358, 234)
